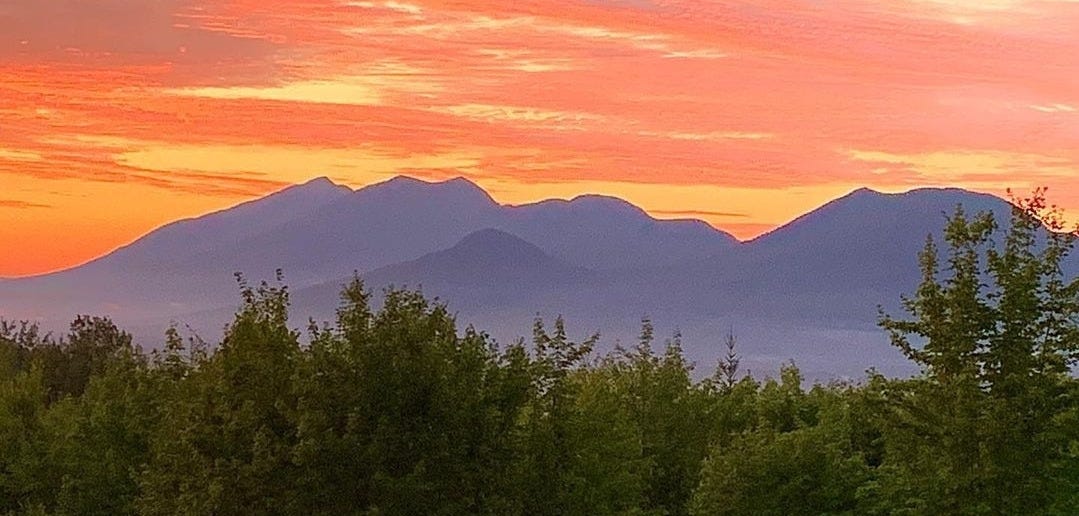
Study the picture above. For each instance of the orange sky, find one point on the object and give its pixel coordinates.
(119, 115)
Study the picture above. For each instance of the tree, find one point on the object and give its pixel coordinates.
(671, 416)
(581, 452)
(101, 440)
(398, 413)
(800, 457)
(225, 442)
(17, 343)
(727, 370)
(27, 479)
(980, 431)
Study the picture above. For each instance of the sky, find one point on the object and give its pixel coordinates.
(117, 116)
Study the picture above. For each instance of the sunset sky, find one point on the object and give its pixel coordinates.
(117, 116)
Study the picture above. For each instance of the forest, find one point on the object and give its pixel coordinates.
(394, 409)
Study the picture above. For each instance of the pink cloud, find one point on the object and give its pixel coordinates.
(766, 95)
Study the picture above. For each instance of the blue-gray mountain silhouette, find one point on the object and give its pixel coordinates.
(808, 290)
(319, 231)
(488, 268)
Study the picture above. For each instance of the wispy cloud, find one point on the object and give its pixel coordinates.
(679, 105)
(702, 213)
(21, 205)
(17, 155)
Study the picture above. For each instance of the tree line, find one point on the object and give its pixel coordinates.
(396, 410)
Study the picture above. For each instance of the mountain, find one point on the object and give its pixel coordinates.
(319, 231)
(177, 268)
(845, 258)
(486, 257)
(487, 269)
(808, 290)
(193, 237)
(607, 233)
(373, 227)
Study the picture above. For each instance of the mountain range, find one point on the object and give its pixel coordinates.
(808, 291)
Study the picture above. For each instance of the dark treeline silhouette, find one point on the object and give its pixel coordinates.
(398, 411)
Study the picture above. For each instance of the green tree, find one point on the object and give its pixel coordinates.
(17, 343)
(800, 457)
(979, 432)
(671, 416)
(100, 441)
(581, 452)
(27, 478)
(401, 415)
(226, 435)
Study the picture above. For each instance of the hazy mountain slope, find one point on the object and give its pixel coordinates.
(373, 227)
(842, 260)
(808, 290)
(168, 269)
(183, 239)
(601, 232)
(489, 270)
(319, 231)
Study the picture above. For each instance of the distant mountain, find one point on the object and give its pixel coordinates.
(488, 269)
(319, 231)
(373, 227)
(182, 240)
(607, 233)
(847, 257)
(808, 290)
(488, 256)
(177, 268)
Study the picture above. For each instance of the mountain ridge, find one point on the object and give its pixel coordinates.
(598, 260)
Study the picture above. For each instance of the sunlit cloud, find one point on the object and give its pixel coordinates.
(956, 166)
(1055, 108)
(688, 108)
(340, 91)
(710, 136)
(696, 54)
(15, 155)
(524, 115)
(525, 61)
(293, 164)
(371, 87)
(390, 5)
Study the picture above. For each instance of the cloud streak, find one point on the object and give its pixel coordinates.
(20, 205)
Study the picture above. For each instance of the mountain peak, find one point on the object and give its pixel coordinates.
(606, 202)
(320, 181)
(318, 184)
(402, 182)
(866, 191)
(884, 215)
(494, 244)
(588, 204)
(491, 237)
(462, 181)
(457, 188)
(415, 182)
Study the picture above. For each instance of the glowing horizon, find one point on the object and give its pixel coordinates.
(118, 117)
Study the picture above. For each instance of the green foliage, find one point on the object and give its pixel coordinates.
(399, 414)
(398, 411)
(810, 470)
(224, 445)
(671, 414)
(981, 432)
